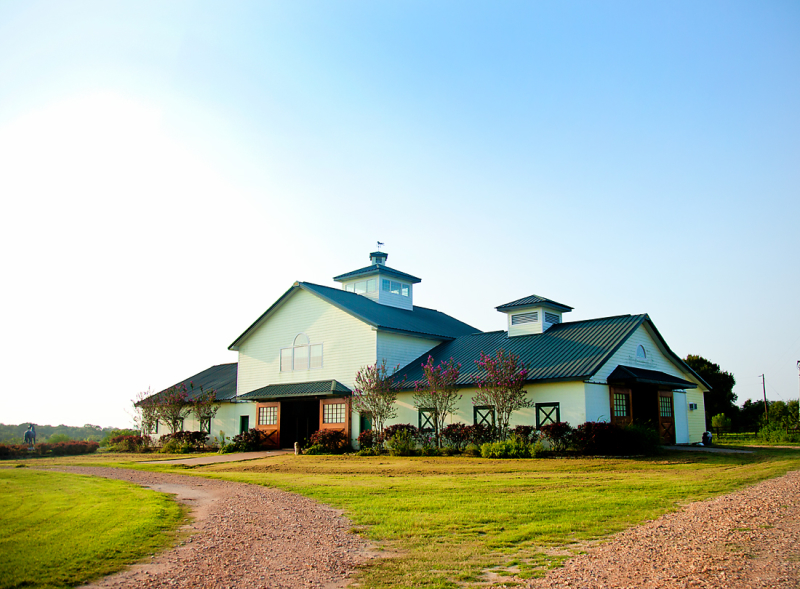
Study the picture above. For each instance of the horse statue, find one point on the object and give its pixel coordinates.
(30, 436)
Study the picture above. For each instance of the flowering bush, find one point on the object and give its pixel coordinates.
(329, 440)
(129, 443)
(402, 443)
(526, 432)
(367, 439)
(500, 386)
(194, 439)
(249, 441)
(391, 431)
(456, 436)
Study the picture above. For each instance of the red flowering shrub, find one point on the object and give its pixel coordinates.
(130, 443)
(367, 438)
(58, 449)
(526, 432)
(329, 440)
(559, 435)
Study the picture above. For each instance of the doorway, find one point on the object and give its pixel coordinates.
(244, 423)
(299, 419)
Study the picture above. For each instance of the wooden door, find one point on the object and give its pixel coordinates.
(666, 417)
(621, 406)
(268, 420)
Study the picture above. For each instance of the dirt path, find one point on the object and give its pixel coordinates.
(243, 536)
(748, 539)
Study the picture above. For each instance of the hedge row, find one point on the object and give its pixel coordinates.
(58, 449)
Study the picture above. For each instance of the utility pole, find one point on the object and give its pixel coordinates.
(764, 387)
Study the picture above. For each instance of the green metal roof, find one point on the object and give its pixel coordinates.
(298, 389)
(375, 269)
(633, 375)
(533, 300)
(566, 351)
(420, 321)
(221, 378)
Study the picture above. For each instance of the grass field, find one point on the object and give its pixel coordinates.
(61, 530)
(448, 521)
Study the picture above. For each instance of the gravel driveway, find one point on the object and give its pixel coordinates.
(748, 539)
(243, 536)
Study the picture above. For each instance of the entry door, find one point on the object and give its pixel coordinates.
(244, 423)
(268, 420)
(666, 417)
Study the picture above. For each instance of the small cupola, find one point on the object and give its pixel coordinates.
(380, 283)
(533, 314)
(378, 258)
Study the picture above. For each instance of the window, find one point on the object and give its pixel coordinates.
(551, 318)
(362, 286)
(665, 406)
(396, 287)
(641, 354)
(483, 415)
(334, 413)
(267, 416)
(427, 420)
(547, 413)
(205, 425)
(522, 318)
(621, 407)
(302, 355)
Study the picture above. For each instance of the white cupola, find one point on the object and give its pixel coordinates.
(533, 314)
(380, 283)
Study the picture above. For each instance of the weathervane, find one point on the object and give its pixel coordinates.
(380, 245)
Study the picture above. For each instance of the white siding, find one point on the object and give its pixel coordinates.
(525, 328)
(400, 349)
(226, 420)
(348, 344)
(681, 417)
(697, 417)
(656, 358)
(598, 402)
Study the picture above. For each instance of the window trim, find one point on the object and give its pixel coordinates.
(544, 406)
(430, 418)
(483, 419)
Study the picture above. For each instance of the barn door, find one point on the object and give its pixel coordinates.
(666, 417)
(621, 409)
(268, 420)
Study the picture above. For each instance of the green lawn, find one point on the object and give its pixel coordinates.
(61, 530)
(446, 521)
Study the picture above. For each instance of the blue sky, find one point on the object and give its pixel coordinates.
(167, 170)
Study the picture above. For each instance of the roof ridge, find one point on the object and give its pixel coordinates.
(598, 319)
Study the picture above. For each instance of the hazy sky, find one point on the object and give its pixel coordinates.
(168, 169)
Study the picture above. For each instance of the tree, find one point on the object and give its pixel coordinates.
(144, 412)
(438, 392)
(500, 386)
(204, 406)
(721, 398)
(375, 392)
(172, 407)
(721, 423)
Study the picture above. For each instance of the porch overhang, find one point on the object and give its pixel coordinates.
(317, 388)
(629, 375)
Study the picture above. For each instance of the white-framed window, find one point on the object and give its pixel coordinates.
(395, 287)
(267, 416)
(641, 353)
(334, 413)
(302, 355)
(363, 286)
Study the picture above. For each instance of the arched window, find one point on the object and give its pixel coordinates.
(641, 354)
(302, 355)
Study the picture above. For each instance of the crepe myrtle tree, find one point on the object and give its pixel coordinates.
(144, 412)
(500, 385)
(204, 405)
(438, 392)
(375, 392)
(173, 406)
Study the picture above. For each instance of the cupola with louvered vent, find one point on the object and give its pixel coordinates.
(533, 314)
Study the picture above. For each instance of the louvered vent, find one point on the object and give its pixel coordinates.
(551, 318)
(522, 318)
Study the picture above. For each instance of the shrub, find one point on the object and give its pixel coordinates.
(130, 443)
(115, 433)
(456, 436)
(559, 435)
(316, 449)
(515, 447)
(249, 441)
(402, 443)
(526, 432)
(601, 438)
(193, 439)
(472, 450)
(56, 438)
(329, 440)
(391, 430)
(367, 439)
(642, 439)
(70, 448)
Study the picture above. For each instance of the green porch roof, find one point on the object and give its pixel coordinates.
(315, 388)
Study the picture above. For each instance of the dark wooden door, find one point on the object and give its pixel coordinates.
(666, 417)
(621, 406)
